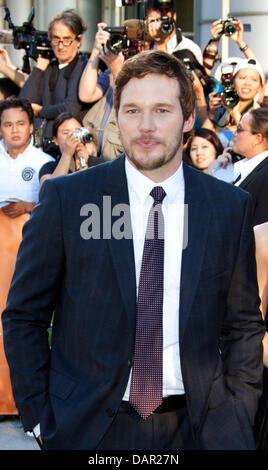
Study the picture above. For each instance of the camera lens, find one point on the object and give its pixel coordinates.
(230, 29)
(87, 138)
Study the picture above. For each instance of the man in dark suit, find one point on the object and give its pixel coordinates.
(88, 255)
(251, 141)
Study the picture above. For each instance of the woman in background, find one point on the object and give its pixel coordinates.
(203, 148)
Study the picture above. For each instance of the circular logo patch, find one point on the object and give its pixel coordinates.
(28, 173)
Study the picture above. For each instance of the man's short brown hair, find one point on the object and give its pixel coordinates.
(157, 62)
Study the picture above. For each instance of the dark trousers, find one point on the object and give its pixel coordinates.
(166, 431)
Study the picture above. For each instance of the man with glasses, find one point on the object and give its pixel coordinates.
(251, 173)
(52, 87)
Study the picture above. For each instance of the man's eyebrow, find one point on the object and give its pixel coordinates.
(10, 122)
(166, 105)
(135, 105)
(127, 105)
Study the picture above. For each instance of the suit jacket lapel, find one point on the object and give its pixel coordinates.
(252, 175)
(122, 253)
(199, 213)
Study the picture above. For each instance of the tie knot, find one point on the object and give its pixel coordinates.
(158, 194)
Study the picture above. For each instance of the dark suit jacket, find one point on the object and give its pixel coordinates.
(75, 388)
(256, 183)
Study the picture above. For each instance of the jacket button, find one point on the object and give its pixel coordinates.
(110, 412)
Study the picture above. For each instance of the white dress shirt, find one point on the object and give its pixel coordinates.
(247, 165)
(139, 187)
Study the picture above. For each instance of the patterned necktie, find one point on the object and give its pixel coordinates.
(146, 383)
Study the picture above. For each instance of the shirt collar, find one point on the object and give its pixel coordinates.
(141, 185)
(4, 147)
(248, 164)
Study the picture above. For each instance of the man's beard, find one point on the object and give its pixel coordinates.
(155, 163)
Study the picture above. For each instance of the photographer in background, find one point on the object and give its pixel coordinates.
(234, 29)
(245, 84)
(161, 20)
(52, 87)
(74, 155)
(99, 89)
(91, 87)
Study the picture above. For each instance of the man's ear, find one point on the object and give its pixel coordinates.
(189, 123)
(258, 139)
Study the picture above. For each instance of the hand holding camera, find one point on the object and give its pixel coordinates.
(78, 146)
(84, 148)
(101, 37)
(231, 27)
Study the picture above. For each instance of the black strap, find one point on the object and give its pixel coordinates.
(179, 35)
(55, 71)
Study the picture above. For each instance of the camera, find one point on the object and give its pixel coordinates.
(229, 27)
(167, 25)
(126, 38)
(191, 63)
(35, 43)
(229, 96)
(84, 136)
(118, 40)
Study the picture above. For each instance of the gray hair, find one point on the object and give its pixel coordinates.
(71, 19)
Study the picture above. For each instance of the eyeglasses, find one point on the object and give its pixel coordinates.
(65, 42)
(241, 129)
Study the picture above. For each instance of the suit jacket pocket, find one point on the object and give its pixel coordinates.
(227, 427)
(61, 385)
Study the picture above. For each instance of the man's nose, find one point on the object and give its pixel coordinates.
(147, 122)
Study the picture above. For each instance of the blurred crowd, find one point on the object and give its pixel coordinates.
(60, 119)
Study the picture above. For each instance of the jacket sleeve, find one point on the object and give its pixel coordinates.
(30, 305)
(243, 328)
(33, 87)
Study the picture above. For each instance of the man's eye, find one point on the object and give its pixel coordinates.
(132, 111)
(162, 110)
